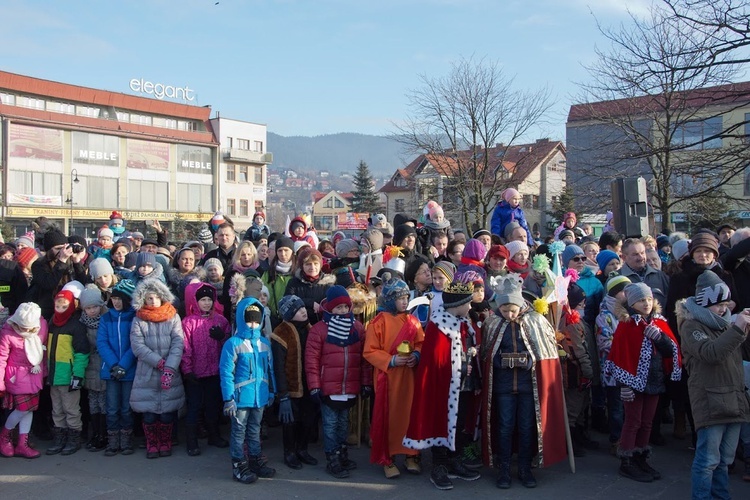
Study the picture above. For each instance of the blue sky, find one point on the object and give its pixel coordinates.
(307, 67)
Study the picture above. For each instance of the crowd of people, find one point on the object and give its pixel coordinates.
(474, 346)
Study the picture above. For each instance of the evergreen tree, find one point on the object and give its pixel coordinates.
(563, 204)
(365, 199)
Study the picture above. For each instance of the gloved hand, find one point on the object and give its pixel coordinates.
(365, 391)
(160, 364)
(117, 372)
(36, 369)
(652, 332)
(190, 378)
(584, 384)
(216, 332)
(315, 395)
(230, 408)
(627, 395)
(285, 411)
(166, 379)
(75, 384)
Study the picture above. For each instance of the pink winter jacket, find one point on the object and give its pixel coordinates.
(201, 354)
(15, 369)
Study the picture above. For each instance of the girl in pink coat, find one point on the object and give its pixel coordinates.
(22, 367)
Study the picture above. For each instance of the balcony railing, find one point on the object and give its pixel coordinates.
(245, 155)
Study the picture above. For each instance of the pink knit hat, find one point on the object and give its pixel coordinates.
(510, 193)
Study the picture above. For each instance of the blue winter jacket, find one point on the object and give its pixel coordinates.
(246, 365)
(503, 215)
(113, 342)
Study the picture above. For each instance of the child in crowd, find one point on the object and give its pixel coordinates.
(146, 267)
(67, 355)
(118, 367)
(280, 271)
(259, 229)
(393, 345)
(92, 306)
(606, 324)
(591, 250)
(336, 373)
(497, 261)
(104, 276)
(521, 373)
(22, 359)
(519, 258)
(103, 245)
(608, 262)
(205, 331)
(298, 231)
(215, 276)
(442, 275)
(644, 353)
(157, 341)
(247, 386)
(509, 210)
(297, 411)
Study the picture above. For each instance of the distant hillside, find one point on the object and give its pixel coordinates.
(337, 152)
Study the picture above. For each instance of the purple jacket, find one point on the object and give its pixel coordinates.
(15, 369)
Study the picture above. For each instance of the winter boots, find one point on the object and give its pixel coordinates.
(23, 449)
(345, 462)
(165, 439)
(629, 468)
(6, 442)
(73, 442)
(241, 472)
(258, 467)
(334, 466)
(193, 449)
(126, 441)
(113, 443)
(152, 439)
(58, 441)
(641, 460)
(99, 437)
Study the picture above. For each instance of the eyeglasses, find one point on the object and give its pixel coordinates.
(578, 259)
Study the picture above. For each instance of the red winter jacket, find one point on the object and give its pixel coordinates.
(334, 369)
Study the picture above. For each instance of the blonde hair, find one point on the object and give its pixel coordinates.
(649, 241)
(238, 251)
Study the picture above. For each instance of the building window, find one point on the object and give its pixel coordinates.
(95, 191)
(243, 174)
(38, 183)
(258, 146)
(229, 142)
(61, 107)
(89, 111)
(535, 202)
(399, 205)
(30, 102)
(259, 175)
(231, 173)
(243, 144)
(527, 201)
(328, 203)
(258, 205)
(123, 116)
(700, 134)
(8, 99)
(244, 208)
(194, 197)
(148, 195)
(231, 206)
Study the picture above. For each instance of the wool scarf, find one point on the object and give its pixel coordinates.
(241, 269)
(90, 322)
(283, 268)
(707, 317)
(59, 319)
(341, 329)
(164, 312)
(32, 346)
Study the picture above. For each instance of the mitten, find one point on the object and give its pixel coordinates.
(117, 372)
(36, 369)
(75, 384)
(166, 379)
(627, 394)
(160, 364)
(285, 411)
(315, 395)
(230, 408)
(216, 332)
(652, 332)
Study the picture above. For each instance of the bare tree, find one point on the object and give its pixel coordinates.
(455, 118)
(655, 106)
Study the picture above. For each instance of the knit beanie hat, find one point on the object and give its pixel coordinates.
(576, 295)
(67, 295)
(53, 238)
(378, 220)
(570, 215)
(374, 238)
(706, 240)
(136, 235)
(335, 296)
(299, 245)
(514, 247)
(295, 224)
(475, 250)
(90, 296)
(570, 252)
(214, 262)
(124, 289)
(392, 290)
(662, 241)
(616, 284)
(498, 252)
(401, 232)
(205, 290)
(481, 232)
(509, 228)
(413, 267)
(680, 248)
(253, 314)
(115, 218)
(27, 315)
(284, 242)
(145, 259)
(27, 239)
(75, 287)
(259, 213)
(637, 291)
(289, 305)
(508, 291)
(100, 267)
(448, 269)
(510, 193)
(204, 235)
(308, 254)
(345, 246)
(105, 231)
(457, 293)
(604, 257)
(710, 289)
(25, 255)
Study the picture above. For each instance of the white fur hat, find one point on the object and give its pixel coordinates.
(27, 315)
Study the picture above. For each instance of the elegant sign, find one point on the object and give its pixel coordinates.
(195, 159)
(160, 91)
(150, 155)
(35, 142)
(95, 149)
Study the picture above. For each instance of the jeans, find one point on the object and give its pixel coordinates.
(118, 405)
(639, 417)
(745, 439)
(515, 409)
(163, 418)
(614, 413)
(203, 393)
(245, 429)
(335, 427)
(713, 453)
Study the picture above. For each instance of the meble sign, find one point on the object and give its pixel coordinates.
(160, 91)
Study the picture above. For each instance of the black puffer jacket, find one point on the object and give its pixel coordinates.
(310, 292)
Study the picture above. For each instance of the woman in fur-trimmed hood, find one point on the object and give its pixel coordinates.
(157, 341)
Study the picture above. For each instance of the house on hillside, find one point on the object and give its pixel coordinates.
(326, 209)
(537, 170)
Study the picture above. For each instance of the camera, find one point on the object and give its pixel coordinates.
(77, 248)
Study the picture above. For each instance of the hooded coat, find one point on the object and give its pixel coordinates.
(113, 342)
(201, 354)
(246, 364)
(16, 376)
(151, 342)
(504, 214)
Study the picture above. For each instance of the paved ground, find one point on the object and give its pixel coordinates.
(87, 475)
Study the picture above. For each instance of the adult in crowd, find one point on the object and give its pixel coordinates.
(637, 270)
(225, 238)
(736, 262)
(725, 233)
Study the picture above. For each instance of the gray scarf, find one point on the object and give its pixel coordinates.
(708, 318)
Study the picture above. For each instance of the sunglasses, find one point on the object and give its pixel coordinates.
(578, 259)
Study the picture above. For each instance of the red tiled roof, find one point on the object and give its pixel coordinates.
(730, 94)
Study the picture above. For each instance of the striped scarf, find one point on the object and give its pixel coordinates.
(341, 329)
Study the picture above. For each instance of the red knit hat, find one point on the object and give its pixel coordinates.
(24, 257)
(498, 252)
(67, 295)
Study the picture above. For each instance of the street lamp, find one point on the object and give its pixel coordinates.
(73, 179)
